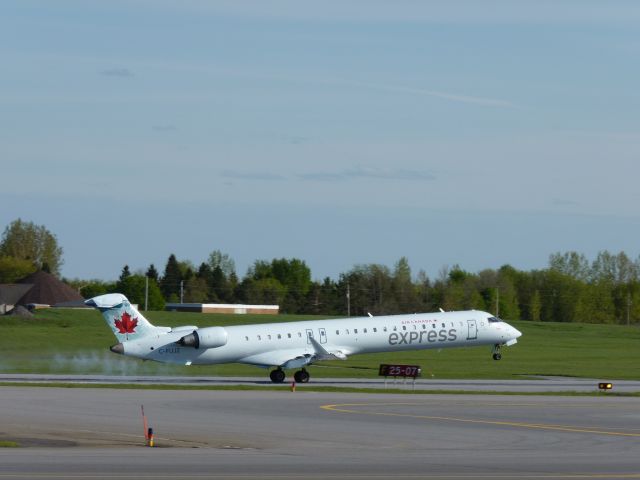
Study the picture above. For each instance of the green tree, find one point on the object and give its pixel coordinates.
(13, 269)
(370, 288)
(124, 274)
(153, 273)
(222, 260)
(403, 287)
(93, 288)
(31, 242)
(219, 288)
(170, 282)
(133, 287)
(294, 275)
(264, 291)
(508, 301)
(535, 307)
(324, 298)
(425, 293)
(196, 290)
(573, 264)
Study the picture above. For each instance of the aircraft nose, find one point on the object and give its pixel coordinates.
(516, 333)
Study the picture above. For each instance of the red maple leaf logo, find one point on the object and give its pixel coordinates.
(126, 324)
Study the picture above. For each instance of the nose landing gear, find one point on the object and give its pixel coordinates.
(496, 352)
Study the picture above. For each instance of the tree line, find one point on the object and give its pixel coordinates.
(571, 288)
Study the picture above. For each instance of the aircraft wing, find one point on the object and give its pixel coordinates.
(293, 358)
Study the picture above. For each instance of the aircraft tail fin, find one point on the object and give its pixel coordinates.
(125, 321)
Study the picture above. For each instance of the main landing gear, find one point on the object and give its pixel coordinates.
(277, 376)
(496, 352)
(301, 376)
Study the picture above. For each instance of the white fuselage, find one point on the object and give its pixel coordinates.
(265, 344)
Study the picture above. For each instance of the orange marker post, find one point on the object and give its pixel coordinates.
(293, 386)
(144, 424)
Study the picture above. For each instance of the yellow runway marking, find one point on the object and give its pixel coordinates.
(538, 426)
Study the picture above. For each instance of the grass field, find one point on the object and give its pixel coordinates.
(77, 341)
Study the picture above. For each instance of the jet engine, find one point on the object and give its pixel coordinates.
(210, 337)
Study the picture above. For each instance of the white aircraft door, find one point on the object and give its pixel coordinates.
(309, 335)
(473, 330)
(323, 335)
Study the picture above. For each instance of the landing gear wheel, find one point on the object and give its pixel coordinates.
(301, 376)
(496, 352)
(277, 376)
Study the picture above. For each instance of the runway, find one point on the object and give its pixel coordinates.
(538, 384)
(97, 433)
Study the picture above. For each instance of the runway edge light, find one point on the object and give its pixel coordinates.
(605, 386)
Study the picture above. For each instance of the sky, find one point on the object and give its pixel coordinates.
(337, 132)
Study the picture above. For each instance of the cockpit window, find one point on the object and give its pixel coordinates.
(494, 320)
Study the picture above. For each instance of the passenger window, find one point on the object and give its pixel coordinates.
(365, 330)
(384, 329)
(404, 327)
(259, 337)
(443, 326)
(424, 326)
(355, 330)
(279, 336)
(347, 331)
(269, 337)
(337, 332)
(299, 334)
(375, 329)
(289, 335)
(395, 328)
(246, 338)
(433, 325)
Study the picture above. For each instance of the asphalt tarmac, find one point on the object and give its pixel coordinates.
(538, 384)
(98, 433)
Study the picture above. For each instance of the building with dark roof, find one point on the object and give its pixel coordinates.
(47, 290)
(10, 295)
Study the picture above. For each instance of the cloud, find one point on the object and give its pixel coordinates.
(117, 72)
(359, 173)
(298, 140)
(252, 175)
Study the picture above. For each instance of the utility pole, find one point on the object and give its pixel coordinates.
(348, 300)
(146, 293)
(497, 301)
(181, 291)
(628, 307)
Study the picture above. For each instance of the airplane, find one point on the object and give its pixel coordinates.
(295, 345)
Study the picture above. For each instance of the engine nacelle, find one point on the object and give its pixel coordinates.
(210, 337)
